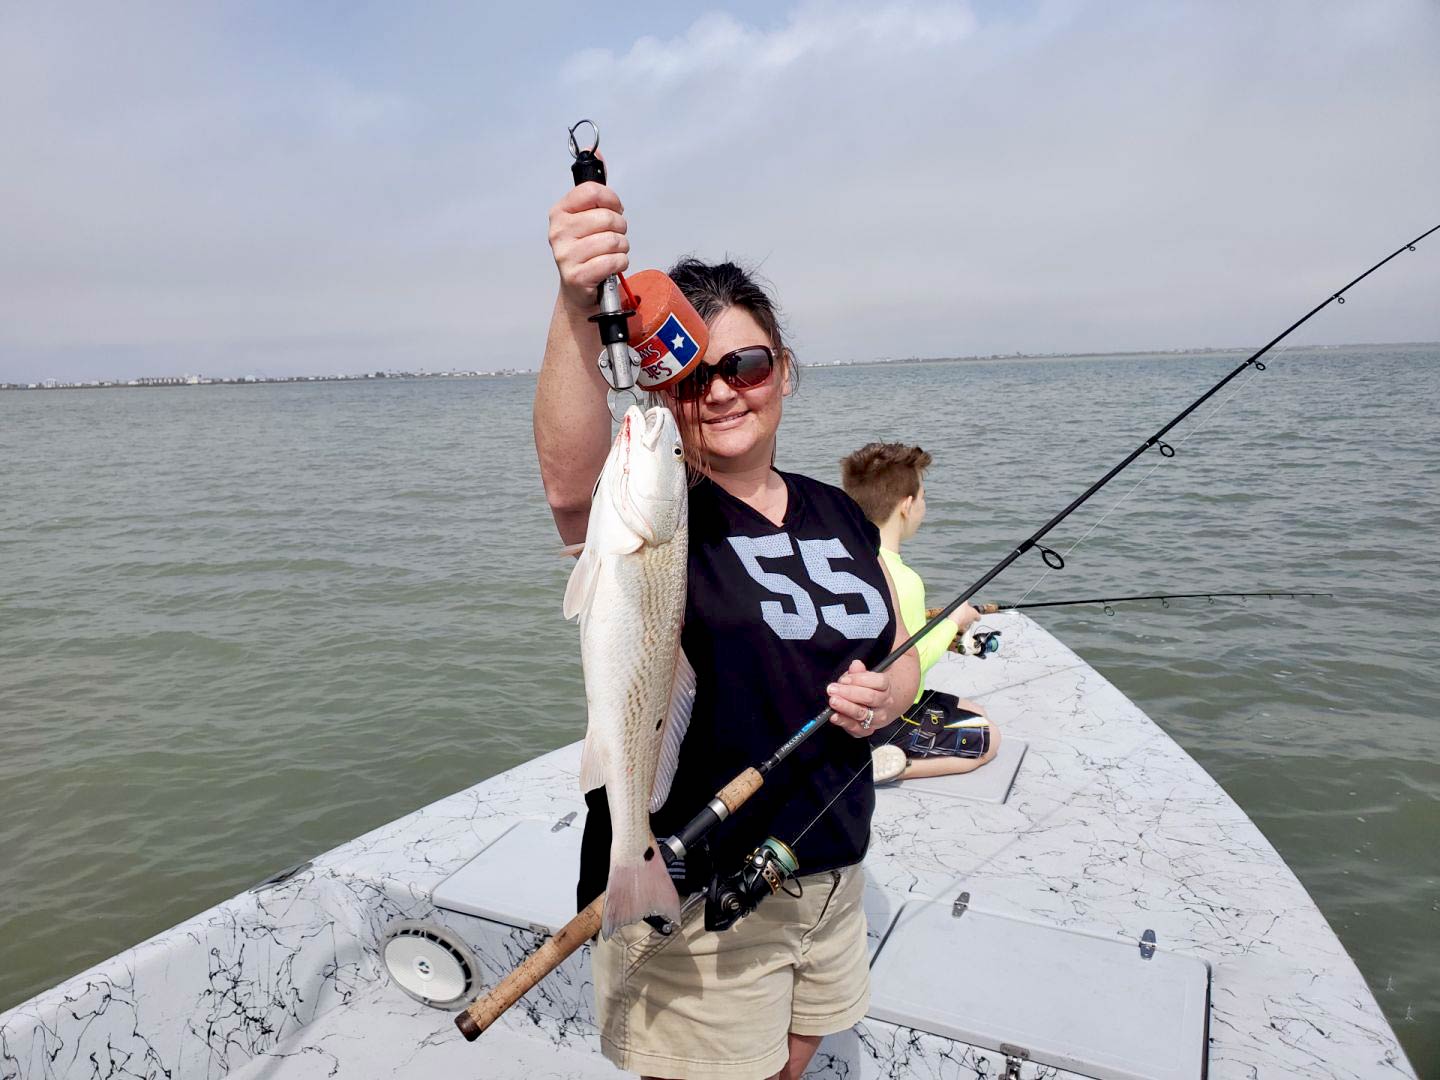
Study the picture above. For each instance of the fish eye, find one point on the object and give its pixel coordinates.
(679, 450)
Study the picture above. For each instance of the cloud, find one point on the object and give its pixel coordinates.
(717, 42)
(916, 179)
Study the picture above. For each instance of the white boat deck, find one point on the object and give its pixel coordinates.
(1110, 829)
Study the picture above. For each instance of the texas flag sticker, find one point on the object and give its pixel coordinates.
(666, 353)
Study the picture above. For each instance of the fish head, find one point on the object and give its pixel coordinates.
(651, 489)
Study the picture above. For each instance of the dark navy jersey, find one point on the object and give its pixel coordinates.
(773, 615)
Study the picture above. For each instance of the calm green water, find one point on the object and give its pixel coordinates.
(240, 625)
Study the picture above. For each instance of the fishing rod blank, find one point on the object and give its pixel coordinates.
(487, 1008)
(1164, 598)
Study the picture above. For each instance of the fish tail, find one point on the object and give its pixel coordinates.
(637, 889)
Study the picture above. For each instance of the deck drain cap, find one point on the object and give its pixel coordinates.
(429, 963)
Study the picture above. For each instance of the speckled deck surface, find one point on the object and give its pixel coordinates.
(1109, 828)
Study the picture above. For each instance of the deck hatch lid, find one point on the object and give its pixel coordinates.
(526, 878)
(1075, 1001)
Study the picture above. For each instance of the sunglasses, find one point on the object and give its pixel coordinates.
(742, 369)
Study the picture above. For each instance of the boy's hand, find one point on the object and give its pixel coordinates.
(964, 616)
(587, 238)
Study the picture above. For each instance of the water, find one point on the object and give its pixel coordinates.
(241, 625)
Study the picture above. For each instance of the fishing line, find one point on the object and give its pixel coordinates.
(1200, 426)
(899, 730)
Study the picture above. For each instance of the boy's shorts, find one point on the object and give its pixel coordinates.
(710, 1005)
(938, 727)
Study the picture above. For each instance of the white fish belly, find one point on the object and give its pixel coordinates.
(629, 642)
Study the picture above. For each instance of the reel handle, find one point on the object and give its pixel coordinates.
(485, 1010)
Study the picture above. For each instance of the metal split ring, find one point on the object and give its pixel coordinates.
(575, 146)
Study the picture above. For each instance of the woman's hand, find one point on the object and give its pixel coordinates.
(587, 238)
(862, 701)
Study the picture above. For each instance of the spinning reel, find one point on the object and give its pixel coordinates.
(979, 644)
(730, 898)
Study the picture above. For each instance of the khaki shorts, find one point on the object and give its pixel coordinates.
(698, 1005)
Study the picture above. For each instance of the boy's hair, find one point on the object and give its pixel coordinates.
(879, 475)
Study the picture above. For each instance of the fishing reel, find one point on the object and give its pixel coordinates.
(728, 899)
(979, 644)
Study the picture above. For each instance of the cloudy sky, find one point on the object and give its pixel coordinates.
(281, 188)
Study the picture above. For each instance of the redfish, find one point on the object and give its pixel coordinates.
(629, 591)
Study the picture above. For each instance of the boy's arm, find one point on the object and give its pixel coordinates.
(933, 645)
(911, 590)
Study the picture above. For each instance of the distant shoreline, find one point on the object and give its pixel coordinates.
(170, 381)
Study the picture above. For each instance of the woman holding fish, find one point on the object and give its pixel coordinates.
(722, 604)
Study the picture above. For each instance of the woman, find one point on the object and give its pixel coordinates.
(786, 591)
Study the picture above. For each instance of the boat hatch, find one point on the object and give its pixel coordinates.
(990, 784)
(1092, 1005)
(526, 878)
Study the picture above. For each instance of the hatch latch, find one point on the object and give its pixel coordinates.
(961, 903)
(1147, 944)
(1015, 1056)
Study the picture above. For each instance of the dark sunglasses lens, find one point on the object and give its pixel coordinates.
(751, 367)
(742, 369)
(692, 386)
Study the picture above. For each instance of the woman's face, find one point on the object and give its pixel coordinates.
(739, 425)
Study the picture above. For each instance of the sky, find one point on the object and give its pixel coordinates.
(274, 189)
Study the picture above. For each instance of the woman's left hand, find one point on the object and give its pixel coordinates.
(861, 700)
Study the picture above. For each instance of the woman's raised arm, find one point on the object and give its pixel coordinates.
(572, 420)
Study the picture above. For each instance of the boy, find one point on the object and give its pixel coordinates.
(944, 734)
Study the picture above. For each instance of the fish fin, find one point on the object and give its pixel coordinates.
(592, 764)
(572, 549)
(621, 542)
(676, 723)
(580, 589)
(636, 890)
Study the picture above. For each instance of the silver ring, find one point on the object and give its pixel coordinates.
(869, 719)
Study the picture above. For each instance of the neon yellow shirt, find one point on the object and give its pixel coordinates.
(911, 591)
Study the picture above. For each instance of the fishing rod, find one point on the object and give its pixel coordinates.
(982, 643)
(719, 808)
(771, 866)
(1164, 598)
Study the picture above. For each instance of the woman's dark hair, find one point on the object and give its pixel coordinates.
(711, 289)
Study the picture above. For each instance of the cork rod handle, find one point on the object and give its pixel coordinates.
(485, 1010)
